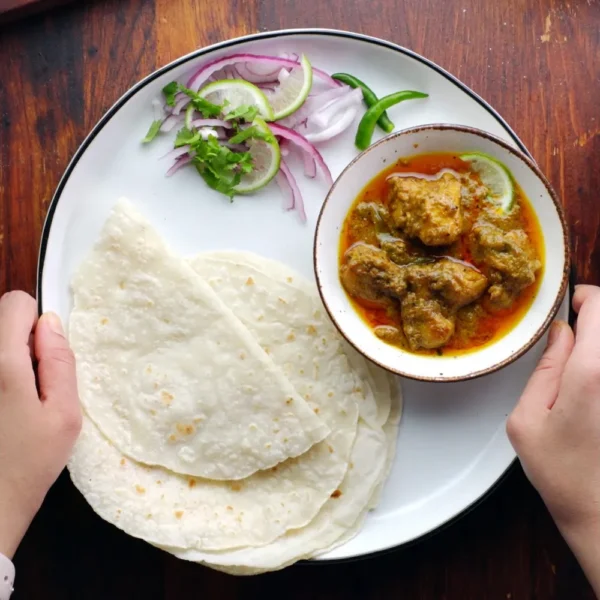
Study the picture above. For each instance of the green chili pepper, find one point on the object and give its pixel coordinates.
(369, 97)
(366, 127)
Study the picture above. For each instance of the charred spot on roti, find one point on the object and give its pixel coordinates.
(185, 428)
(166, 397)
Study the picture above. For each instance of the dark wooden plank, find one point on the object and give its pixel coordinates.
(535, 61)
(11, 10)
(119, 49)
(42, 118)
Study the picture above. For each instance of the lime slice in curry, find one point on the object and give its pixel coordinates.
(495, 176)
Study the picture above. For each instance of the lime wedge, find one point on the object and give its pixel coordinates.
(495, 176)
(266, 159)
(293, 91)
(237, 93)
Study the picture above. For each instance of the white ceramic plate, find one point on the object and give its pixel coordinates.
(452, 446)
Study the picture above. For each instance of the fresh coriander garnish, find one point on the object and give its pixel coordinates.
(152, 132)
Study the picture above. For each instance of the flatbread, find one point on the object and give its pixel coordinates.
(375, 405)
(168, 509)
(367, 465)
(390, 429)
(168, 373)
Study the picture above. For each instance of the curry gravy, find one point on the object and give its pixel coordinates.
(489, 327)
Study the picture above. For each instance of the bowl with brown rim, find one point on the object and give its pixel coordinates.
(450, 362)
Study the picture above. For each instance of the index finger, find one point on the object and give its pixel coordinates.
(18, 316)
(582, 293)
(587, 340)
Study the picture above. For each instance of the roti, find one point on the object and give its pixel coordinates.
(166, 370)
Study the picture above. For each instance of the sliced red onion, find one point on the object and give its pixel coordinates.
(286, 190)
(297, 194)
(314, 104)
(325, 116)
(290, 56)
(283, 75)
(304, 144)
(245, 72)
(262, 70)
(205, 71)
(211, 123)
(180, 162)
(266, 87)
(180, 104)
(170, 122)
(178, 96)
(284, 147)
(176, 153)
(310, 166)
(334, 130)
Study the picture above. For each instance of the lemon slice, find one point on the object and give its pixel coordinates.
(495, 176)
(266, 159)
(238, 93)
(293, 91)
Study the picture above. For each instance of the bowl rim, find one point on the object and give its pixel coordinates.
(529, 162)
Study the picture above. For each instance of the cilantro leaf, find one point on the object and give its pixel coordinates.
(208, 109)
(186, 137)
(152, 132)
(169, 91)
(244, 112)
(220, 167)
(252, 132)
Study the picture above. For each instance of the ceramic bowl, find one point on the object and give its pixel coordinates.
(494, 356)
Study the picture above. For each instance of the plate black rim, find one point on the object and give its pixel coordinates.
(229, 44)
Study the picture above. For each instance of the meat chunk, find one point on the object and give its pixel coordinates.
(396, 248)
(509, 258)
(368, 274)
(425, 323)
(427, 209)
(389, 334)
(456, 283)
(367, 221)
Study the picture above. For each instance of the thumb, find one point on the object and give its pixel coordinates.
(543, 386)
(56, 366)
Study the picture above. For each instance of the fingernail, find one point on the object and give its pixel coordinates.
(54, 323)
(554, 333)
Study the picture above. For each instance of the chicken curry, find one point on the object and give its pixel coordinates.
(432, 264)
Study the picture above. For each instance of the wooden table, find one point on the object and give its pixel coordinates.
(536, 61)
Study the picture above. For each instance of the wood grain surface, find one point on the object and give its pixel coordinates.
(536, 61)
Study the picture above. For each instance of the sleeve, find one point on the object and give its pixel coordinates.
(7, 577)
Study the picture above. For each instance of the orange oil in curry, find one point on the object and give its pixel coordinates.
(490, 328)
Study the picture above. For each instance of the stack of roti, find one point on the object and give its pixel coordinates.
(226, 421)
